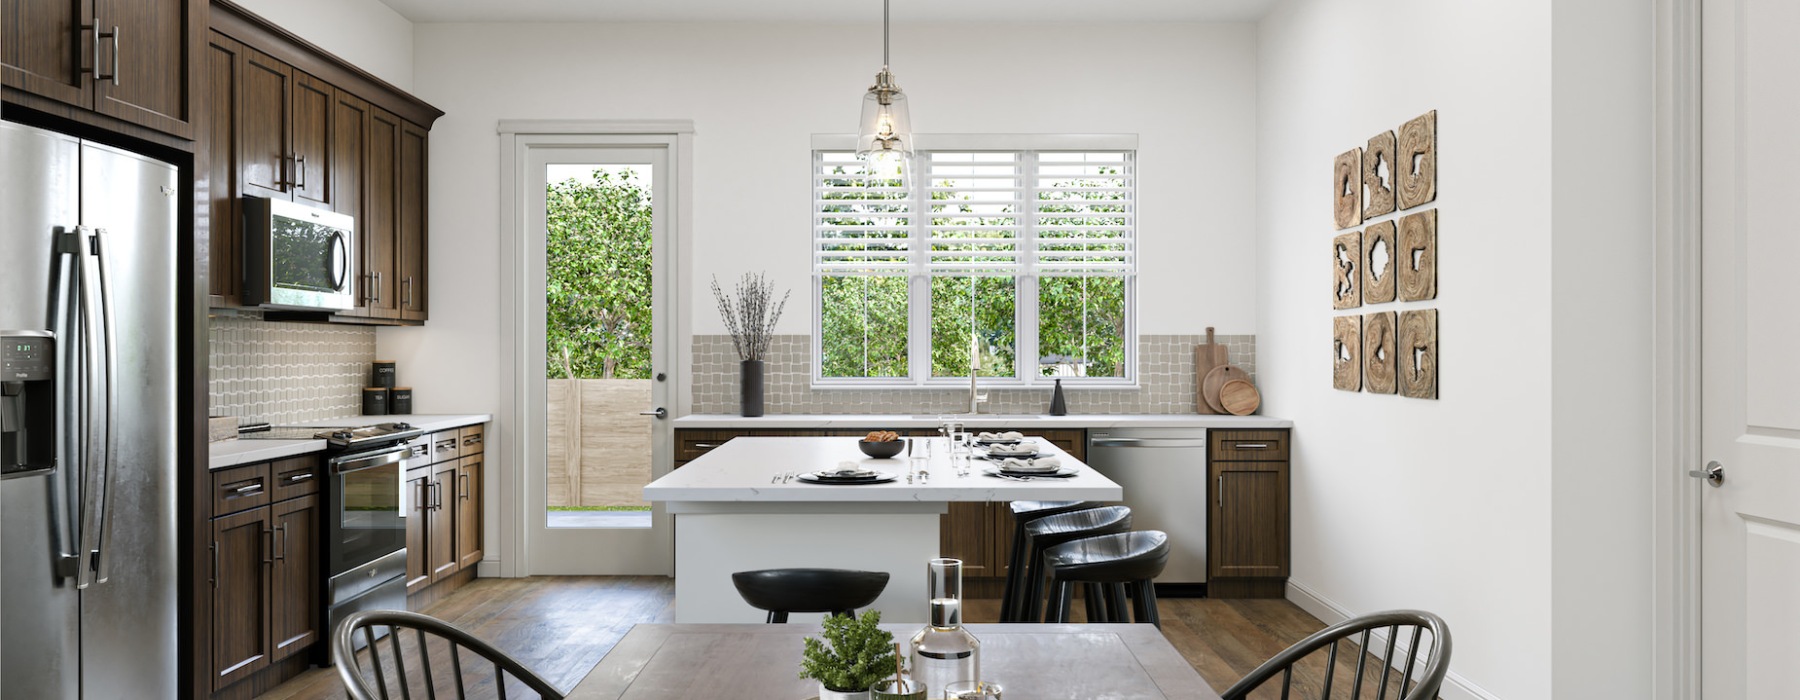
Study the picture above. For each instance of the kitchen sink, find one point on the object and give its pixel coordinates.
(977, 417)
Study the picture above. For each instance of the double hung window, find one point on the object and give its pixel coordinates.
(1015, 260)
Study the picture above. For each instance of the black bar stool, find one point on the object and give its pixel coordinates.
(1113, 562)
(834, 591)
(1024, 512)
(1052, 530)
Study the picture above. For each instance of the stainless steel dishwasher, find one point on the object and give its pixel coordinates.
(1163, 474)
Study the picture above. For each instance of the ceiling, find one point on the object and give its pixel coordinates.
(904, 11)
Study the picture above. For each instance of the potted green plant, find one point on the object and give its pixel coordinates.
(855, 654)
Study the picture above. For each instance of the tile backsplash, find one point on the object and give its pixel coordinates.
(1165, 382)
(288, 372)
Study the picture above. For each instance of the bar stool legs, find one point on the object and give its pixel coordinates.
(1111, 561)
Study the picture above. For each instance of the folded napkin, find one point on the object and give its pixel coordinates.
(846, 469)
(1009, 435)
(1004, 450)
(1045, 464)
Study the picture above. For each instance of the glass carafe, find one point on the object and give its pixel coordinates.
(944, 652)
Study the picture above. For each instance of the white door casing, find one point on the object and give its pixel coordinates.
(534, 549)
(1750, 320)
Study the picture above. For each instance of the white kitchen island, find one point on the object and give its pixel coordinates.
(734, 511)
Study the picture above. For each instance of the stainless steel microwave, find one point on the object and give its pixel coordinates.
(298, 257)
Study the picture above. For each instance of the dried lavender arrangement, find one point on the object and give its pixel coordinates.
(750, 317)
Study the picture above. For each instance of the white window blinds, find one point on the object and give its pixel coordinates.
(862, 222)
(980, 212)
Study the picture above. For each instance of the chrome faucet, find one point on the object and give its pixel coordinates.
(976, 398)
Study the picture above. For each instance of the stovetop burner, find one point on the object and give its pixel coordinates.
(340, 437)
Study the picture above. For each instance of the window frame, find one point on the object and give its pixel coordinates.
(919, 274)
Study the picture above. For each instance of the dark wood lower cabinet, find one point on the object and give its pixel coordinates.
(441, 538)
(443, 518)
(418, 524)
(468, 511)
(1247, 546)
(267, 602)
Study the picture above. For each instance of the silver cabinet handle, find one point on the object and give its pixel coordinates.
(704, 445)
(1250, 446)
(1219, 491)
(300, 477)
(377, 287)
(300, 170)
(98, 36)
(269, 554)
(407, 300)
(464, 486)
(281, 551)
(659, 412)
(215, 570)
(116, 47)
(471, 440)
(253, 488)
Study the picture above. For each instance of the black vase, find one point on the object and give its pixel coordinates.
(750, 388)
(1058, 405)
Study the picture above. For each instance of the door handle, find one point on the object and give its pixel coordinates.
(269, 554)
(98, 36)
(660, 412)
(1714, 474)
(281, 550)
(300, 171)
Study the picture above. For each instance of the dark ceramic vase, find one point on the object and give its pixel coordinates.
(750, 388)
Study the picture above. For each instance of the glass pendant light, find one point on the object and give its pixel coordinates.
(886, 139)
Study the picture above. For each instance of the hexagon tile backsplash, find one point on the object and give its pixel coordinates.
(288, 372)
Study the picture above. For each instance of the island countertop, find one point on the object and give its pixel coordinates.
(749, 470)
(983, 420)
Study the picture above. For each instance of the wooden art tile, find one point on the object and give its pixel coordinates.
(1418, 351)
(1378, 353)
(1418, 256)
(1417, 157)
(1378, 176)
(1346, 353)
(1346, 178)
(1346, 276)
(1379, 263)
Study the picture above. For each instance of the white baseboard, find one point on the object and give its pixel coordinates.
(1455, 686)
(488, 568)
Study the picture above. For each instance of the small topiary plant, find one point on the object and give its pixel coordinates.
(859, 656)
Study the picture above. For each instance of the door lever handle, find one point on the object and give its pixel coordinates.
(660, 412)
(1714, 473)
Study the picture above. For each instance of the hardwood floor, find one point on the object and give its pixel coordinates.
(560, 626)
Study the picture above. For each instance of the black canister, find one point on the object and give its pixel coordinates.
(375, 401)
(400, 400)
(383, 375)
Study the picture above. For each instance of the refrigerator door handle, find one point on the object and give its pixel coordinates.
(98, 358)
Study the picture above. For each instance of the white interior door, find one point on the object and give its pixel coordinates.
(1750, 377)
(585, 207)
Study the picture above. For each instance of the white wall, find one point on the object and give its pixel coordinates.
(757, 92)
(1403, 503)
(1516, 504)
(367, 33)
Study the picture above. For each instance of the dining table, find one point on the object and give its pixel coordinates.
(1028, 661)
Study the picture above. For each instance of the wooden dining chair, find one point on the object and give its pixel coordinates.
(1394, 663)
(423, 659)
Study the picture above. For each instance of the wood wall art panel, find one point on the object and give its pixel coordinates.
(1379, 263)
(1419, 353)
(1346, 180)
(1346, 353)
(1418, 256)
(1418, 161)
(1346, 274)
(1378, 176)
(1378, 353)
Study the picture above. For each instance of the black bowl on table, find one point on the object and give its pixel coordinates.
(881, 450)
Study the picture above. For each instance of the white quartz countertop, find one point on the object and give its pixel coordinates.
(231, 453)
(984, 421)
(749, 469)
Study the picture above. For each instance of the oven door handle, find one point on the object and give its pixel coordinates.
(346, 465)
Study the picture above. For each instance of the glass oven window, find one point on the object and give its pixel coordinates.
(368, 523)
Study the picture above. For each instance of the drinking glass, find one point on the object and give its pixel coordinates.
(972, 690)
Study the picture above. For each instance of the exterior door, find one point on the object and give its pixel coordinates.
(598, 227)
(1750, 415)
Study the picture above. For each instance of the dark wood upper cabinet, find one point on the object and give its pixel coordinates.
(310, 180)
(137, 62)
(414, 254)
(265, 107)
(217, 186)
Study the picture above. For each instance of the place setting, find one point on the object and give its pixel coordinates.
(846, 474)
(1029, 469)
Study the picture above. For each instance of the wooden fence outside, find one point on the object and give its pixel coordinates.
(599, 446)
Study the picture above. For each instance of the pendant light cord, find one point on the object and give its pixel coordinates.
(884, 33)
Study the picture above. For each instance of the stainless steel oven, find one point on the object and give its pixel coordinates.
(366, 537)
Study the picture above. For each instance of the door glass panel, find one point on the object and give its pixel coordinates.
(598, 333)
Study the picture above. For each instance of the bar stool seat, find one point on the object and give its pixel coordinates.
(1051, 530)
(1024, 512)
(834, 591)
(1114, 562)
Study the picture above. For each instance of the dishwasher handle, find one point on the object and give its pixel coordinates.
(1184, 443)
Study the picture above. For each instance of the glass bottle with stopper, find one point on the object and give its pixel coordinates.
(944, 652)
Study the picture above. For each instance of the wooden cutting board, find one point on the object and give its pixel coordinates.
(1240, 398)
(1206, 357)
(1215, 380)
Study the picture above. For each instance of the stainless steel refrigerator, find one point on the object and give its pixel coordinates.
(87, 460)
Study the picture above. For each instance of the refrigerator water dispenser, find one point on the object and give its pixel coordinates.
(27, 403)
